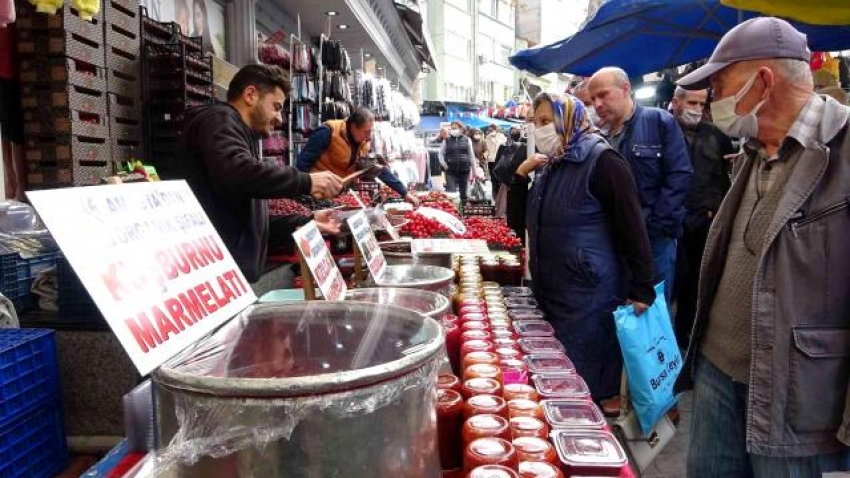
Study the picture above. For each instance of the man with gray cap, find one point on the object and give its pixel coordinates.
(770, 349)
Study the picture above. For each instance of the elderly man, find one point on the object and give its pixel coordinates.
(771, 342)
(652, 143)
(708, 148)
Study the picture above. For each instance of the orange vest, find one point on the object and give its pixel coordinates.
(337, 157)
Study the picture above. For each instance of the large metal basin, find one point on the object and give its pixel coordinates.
(430, 278)
(431, 304)
(320, 389)
(398, 253)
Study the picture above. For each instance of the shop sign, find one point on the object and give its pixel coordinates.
(151, 260)
(368, 245)
(449, 246)
(320, 262)
(452, 223)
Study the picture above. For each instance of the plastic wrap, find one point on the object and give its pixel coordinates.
(431, 278)
(22, 232)
(431, 304)
(315, 378)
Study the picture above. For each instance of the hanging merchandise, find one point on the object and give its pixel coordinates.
(335, 57)
(273, 54)
(335, 86)
(333, 110)
(305, 120)
(304, 89)
(7, 12)
(303, 59)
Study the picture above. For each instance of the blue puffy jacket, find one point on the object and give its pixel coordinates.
(655, 148)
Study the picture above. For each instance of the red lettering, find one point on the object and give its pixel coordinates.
(225, 290)
(203, 251)
(180, 261)
(164, 325)
(204, 296)
(219, 302)
(190, 303)
(236, 282)
(143, 331)
(214, 248)
(166, 265)
(113, 283)
(192, 255)
(177, 313)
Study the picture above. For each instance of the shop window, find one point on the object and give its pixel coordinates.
(505, 54)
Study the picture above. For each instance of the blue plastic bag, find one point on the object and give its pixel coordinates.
(651, 357)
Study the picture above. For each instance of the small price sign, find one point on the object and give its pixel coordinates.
(320, 262)
(368, 245)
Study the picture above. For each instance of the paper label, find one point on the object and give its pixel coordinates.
(452, 223)
(449, 246)
(391, 230)
(368, 245)
(151, 260)
(320, 262)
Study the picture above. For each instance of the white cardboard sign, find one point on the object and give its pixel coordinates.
(449, 246)
(320, 262)
(368, 245)
(391, 230)
(454, 224)
(151, 260)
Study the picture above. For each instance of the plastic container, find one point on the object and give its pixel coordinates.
(17, 275)
(521, 390)
(535, 449)
(483, 370)
(481, 386)
(510, 292)
(561, 385)
(521, 303)
(493, 471)
(429, 278)
(589, 452)
(485, 405)
(541, 345)
(549, 363)
(526, 314)
(490, 451)
(320, 376)
(514, 371)
(528, 427)
(29, 371)
(32, 444)
(539, 469)
(522, 407)
(573, 414)
(431, 304)
(449, 426)
(534, 328)
(447, 381)
(485, 425)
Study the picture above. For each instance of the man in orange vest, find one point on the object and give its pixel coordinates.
(338, 145)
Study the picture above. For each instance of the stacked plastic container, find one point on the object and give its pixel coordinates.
(32, 437)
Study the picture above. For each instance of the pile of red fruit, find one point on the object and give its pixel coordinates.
(421, 227)
(388, 193)
(285, 207)
(443, 205)
(348, 200)
(497, 234)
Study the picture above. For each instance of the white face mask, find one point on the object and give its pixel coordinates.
(547, 140)
(690, 118)
(724, 116)
(455, 132)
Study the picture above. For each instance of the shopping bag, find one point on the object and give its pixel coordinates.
(651, 357)
(477, 193)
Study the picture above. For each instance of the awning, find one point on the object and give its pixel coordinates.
(430, 123)
(418, 33)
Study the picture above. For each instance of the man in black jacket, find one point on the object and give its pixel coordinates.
(707, 146)
(221, 162)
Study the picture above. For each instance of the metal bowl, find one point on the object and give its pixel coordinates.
(430, 278)
(428, 303)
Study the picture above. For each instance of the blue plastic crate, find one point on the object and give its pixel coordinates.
(29, 370)
(33, 445)
(17, 274)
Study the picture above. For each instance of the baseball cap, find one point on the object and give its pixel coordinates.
(757, 38)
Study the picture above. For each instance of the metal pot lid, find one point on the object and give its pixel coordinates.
(291, 350)
(432, 304)
(415, 276)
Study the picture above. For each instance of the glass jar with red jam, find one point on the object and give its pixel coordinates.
(485, 425)
(502, 332)
(539, 469)
(492, 471)
(485, 405)
(490, 270)
(511, 343)
(468, 335)
(528, 427)
(479, 357)
(481, 386)
(483, 370)
(449, 428)
(535, 449)
(448, 381)
(452, 344)
(520, 390)
(476, 346)
(508, 353)
(473, 317)
(512, 273)
(514, 371)
(522, 407)
(490, 451)
(473, 309)
(475, 325)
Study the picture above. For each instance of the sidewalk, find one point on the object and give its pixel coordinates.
(671, 462)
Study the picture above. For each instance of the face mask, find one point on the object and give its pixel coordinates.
(455, 132)
(690, 118)
(547, 140)
(724, 116)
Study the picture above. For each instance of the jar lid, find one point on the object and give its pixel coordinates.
(492, 471)
(487, 422)
(589, 449)
(561, 385)
(448, 398)
(573, 414)
(538, 345)
(490, 447)
(486, 401)
(527, 424)
(531, 445)
(538, 469)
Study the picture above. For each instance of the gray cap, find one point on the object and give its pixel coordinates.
(757, 38)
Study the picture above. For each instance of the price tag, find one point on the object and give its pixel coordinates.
(393, 232)
(449, 246)
(368, 245)
(320, 262)
(452, 223)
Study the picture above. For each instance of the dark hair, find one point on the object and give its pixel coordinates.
(263, 77)
(360, 116)
(540, 99)
(459, 124)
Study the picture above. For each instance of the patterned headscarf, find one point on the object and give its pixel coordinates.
(570, 115)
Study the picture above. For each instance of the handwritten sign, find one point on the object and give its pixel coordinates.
(151, 260)
(452, 223)
(368, 245)
(449, 246)
(391, 230)
(320, 262)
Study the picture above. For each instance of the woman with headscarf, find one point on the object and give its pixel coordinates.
(589, 250)
(201, 25)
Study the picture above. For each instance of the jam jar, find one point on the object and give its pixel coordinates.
(448, 381)
(522, 407)
(449, 428)
(476, 346)
(528, 427)
(473, 334)
(481, 386)
(479, 357)
(520, 390)
(485, 405)
(492, 471)
(535, 449)
(490, 451)
(485, 425)
(514, 371)
(539, 469)
(475, 325)
(483, 370)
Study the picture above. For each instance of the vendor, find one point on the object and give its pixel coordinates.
(340, 146)
(221, 162)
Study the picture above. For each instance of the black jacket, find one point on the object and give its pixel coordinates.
(219, 158)
(707, 145)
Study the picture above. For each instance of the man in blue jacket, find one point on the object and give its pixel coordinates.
(652, 143)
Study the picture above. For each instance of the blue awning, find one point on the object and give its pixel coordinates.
(430, 123)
